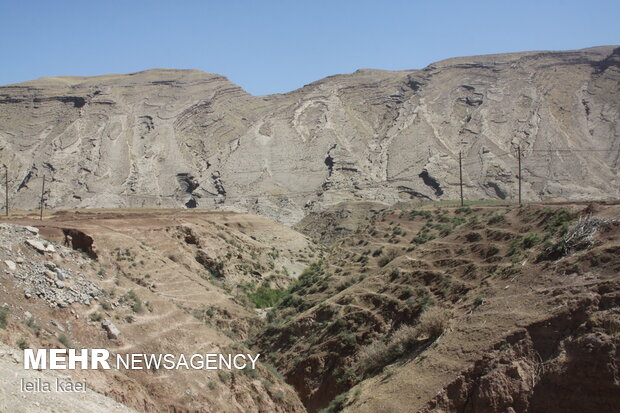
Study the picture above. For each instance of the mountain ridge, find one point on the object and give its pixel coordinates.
(187, 138)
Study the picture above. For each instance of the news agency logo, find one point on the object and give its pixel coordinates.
(100, 359)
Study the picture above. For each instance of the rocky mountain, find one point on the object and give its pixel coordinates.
(174, 138)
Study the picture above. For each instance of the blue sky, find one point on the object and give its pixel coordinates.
(277, 46)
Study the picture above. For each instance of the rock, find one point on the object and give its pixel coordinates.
(19, 260)
(49, 274)
(27, 294)
(11, 265)
(113, 332)
(61, 274)
(41, 246)
(33, 230)
(60, 284)
(27, 315)
(57, 325)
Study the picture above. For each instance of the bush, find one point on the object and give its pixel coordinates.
(463, 210)
(389, 256)
(265, 297)
(530, 240)
(433, 322)
(136, 307)
(376, 355)
(497, 218)
(337, 404)
(224, 376)
(96, 316)
(22, 344)
(4, 312)
(473, 237)
(64, 340)
(479, 300)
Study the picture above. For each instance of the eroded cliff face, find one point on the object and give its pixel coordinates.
(180, 138)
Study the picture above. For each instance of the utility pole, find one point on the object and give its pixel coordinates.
(461, 176)
(42, 199)
(519, 156)
(6, 189)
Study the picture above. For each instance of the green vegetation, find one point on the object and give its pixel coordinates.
(96, 316)
(378, 354)
(337, 404)
(22, 344)
(497, 218)
(463, 210)
(3, 317)
(387, 258)
(479, 300)
(265, 297)
(64, 340)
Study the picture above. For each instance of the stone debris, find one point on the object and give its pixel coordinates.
(10, 265)
(46, 280)
(110, 328)
(41, 246)
(32, 230)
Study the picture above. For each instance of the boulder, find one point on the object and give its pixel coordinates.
(32, 230)
(10, 265)
(41, 246)
(110, 328)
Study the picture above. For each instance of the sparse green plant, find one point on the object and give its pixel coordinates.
(136, 307)
(497, 218)
(96, 316)
(22, 343)
(387, 258)
(64, 340)
(479, 300)
(224, 376)
(4, 312)
(463, 210)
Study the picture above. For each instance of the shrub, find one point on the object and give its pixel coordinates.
(389, 256)
(530, 240)
(337, 404)
(372, 355)
(427, 215)
(136, 307)
(479, 300)
(3, 315)
(64, 340)
(433, 322)
(473, 237)
(22, 344)
(96, 316)
(224, 376)
(463, 210)
(265, 297)
(497, 218)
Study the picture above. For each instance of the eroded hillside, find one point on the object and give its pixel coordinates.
(150, 282)
(176, 138)
(445, 309)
